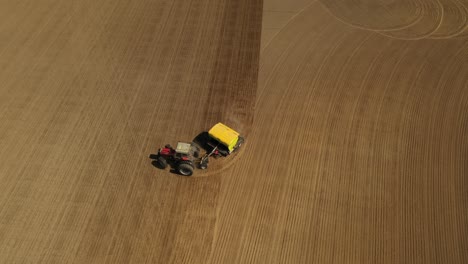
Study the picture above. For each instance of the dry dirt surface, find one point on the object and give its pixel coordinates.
(355, 115)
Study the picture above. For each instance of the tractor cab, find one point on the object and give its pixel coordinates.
(183, 149)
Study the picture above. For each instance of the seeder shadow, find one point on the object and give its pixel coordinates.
(202, 140)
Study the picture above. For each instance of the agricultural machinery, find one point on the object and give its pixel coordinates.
(220, 141)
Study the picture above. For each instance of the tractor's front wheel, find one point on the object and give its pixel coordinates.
(204, 163)
(161, 162)
(185, 168)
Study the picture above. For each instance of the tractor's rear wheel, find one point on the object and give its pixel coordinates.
(185, 168)
(161, 162)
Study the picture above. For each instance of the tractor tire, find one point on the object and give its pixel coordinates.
(185, 168)
(204, 164)
(161, 162)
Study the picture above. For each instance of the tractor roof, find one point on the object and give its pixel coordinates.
(183, 148)
(224, 134)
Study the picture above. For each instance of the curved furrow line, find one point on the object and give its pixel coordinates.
(354, 186)
(381, 197)
(296, 98)
(290, 37)
(312, 2)
(433, 191)
(432, 18)
(413, 180)
(297, 146)
(332, 159)
(407, 206)
(280, 121)
(464, 32)
(284, 133)
(454, 20)
(313, 102)
(445, 156)
(291, 6)
(376, 16)
(283, 102)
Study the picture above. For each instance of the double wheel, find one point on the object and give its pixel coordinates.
(183, 167)
(161, 162)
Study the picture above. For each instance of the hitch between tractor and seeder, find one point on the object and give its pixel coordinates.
(203, 164)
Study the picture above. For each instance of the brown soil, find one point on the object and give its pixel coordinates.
(356, 148)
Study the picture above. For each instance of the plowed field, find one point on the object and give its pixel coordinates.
(355, 115)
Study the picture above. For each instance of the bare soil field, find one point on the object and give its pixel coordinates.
(355, 115)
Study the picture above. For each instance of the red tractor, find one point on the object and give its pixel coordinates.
(181, 158)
